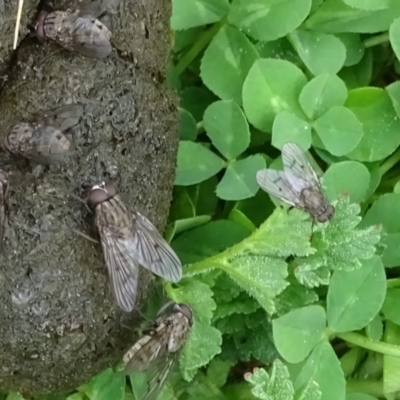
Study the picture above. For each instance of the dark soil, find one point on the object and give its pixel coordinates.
(59, 324)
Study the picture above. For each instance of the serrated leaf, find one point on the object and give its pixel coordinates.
(203, 344)
(344, 246)
(105, 386)
(204, 341)
(276, 385)
(262, 277)
(310, 392)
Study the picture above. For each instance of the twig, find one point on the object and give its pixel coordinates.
(18, 23)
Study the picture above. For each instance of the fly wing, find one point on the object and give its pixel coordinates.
(47, 145)
(278, 185)
(296, 163)
(91, 38)
(152, 251)
(123, 270)
(157, 374)
(96, 8)
(62, 118)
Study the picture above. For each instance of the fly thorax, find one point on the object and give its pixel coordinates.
(312, 199)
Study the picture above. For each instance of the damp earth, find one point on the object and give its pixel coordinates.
(59, 324)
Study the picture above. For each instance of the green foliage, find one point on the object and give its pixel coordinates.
(284, 307)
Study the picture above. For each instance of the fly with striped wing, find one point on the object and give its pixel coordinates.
(42, 139)
(78, 30)
(129, 240)
(157, 351)
(297, 185)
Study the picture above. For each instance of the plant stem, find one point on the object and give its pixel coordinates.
(364, 342)
(389, 162)
(393, 283)
(373, 388)
(375, 40)
(197, 48)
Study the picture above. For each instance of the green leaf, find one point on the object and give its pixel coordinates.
(105, 386)
(391, 364)
(14, 396)
(354, 48)
(336, 17)
(391, 252)
(239, 181)
(359, 396)
(207, 240)
(276, 386)
(350, 177)
(226, 63)
(227, 128)
(374, 109)
(195, 100)
(204, 341)
(385, 211)
(323, 367)
(190, 13)
(218, 371)
(320, 52)
(391, 305)
(374, 330)
(305, 327)
(196, 163)
(310, 392)
(289, 128)
(78, 396)
(355, 297)
(394, 34)
(270, 20)
(339, 130)
(187, 126)
(371, 5)
(358, 75)
(271, 86)
(262, 277)
(322, 93)
(187, 224)
(344, 246)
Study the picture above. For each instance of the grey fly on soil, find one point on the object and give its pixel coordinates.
(42, 140)
(129, 240)
(3, 204)
(297, 185)
(156, 352)
(75, 32)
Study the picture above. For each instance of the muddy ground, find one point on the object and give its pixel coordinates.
(59, 325)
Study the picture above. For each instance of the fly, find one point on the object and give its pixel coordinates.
(156, 352)
(129, 240)
(83, 34)
(297, 185)
(42, 140)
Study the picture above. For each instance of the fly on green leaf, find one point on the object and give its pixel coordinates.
(157, 351)
(297, 185)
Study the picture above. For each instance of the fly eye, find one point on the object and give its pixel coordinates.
(186, 311)
(98, 196)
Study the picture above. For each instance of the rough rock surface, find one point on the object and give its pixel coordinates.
(59, 325)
